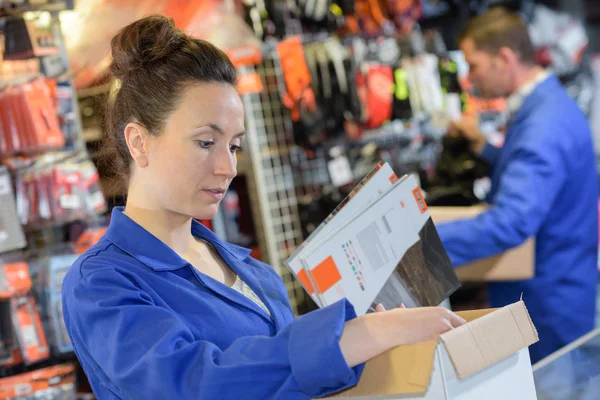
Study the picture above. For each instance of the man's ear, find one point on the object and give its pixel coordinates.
(508, 56)
(136, 137)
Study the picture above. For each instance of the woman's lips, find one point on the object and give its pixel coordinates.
(216, 194)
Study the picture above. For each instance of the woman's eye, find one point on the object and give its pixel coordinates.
(204, 145)
(234, 149)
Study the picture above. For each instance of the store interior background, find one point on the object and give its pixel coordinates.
(307, 147)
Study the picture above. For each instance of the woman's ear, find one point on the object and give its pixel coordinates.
(136, 137)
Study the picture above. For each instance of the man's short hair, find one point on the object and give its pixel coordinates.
(499, 28)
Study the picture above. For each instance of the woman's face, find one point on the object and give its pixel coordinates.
(191, 164)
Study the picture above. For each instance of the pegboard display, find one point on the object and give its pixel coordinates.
(270, 172)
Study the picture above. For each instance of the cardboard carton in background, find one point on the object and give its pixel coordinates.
(488, 358)
(513, 265)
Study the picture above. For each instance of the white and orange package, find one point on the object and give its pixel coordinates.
(41, 115)
(26, 319)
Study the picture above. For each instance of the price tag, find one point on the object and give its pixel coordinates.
(30, 337)
(340, 171)
(22, 389)
(69, 202)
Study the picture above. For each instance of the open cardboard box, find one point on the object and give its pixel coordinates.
(487, 358)
(513, 265)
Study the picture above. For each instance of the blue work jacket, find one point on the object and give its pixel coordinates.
(145, 324)
(544, 185)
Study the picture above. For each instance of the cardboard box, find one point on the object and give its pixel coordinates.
(487, 358)
(513, 265)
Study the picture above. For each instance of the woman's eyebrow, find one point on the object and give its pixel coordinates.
(218, 129)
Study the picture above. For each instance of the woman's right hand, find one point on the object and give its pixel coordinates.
(372, 334)
(414, 325)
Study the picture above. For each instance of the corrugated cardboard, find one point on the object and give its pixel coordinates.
(516, 264)
(486, 358)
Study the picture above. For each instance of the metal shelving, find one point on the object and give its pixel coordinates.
(271, 179)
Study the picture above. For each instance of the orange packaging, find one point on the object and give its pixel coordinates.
(89, 238)
(27, 134)
(15, 359)
(249, 83)
(17, 277)
(42, 116)
(296, 75)
(8, 126)
(36, 381)
(15, 123)
(30, 332)
(28, 324)
(244, 56)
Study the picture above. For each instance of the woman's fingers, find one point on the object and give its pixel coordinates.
(455, 320)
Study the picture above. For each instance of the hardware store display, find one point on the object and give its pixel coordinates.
(330, 89)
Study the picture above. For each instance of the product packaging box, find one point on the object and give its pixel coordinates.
(513, 265)
(487, 358)
(386, 251)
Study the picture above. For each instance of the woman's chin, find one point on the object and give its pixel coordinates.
(207, 212)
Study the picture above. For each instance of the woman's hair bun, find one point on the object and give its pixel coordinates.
(144, 42)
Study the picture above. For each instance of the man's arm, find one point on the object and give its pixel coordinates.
(535, 174)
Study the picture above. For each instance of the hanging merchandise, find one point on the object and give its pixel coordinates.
(48, 274)
(31, 338)
(405, 13)
(29, 118)
(372, 18)
(454, 97)
(560, 39)
(380, 83)
(28, 38)
(11, 232)
(299, 96)
(7, 338)
(56, 189)
(52, 383)
(401, 108)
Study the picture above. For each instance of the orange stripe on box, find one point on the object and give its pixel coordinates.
(420, 199)
(303, 277)
(325, 275)
(393, 178)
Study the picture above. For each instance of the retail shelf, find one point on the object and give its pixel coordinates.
(14, 8)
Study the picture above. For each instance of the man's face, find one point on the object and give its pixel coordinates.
(486, 71)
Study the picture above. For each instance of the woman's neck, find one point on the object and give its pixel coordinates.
(171, 228)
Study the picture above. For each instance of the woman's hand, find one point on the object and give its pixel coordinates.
(416, 325)
(372, 334)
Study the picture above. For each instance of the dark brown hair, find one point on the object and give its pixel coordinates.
(499, 28)
(152, 62)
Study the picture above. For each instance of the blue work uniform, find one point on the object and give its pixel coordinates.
(544, 185)
(145, 324)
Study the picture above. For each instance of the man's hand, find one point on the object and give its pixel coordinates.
(468, 127)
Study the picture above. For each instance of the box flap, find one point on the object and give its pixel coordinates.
(402, 370)
(489, 339)
(471, 315)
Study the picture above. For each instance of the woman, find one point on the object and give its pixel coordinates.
(161, 308)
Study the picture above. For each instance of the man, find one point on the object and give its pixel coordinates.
(543, 184)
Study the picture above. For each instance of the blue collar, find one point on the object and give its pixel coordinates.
(136, 241)
(549, 85)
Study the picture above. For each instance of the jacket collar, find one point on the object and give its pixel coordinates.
(516, 100)
(136, 241)
(536, 97)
